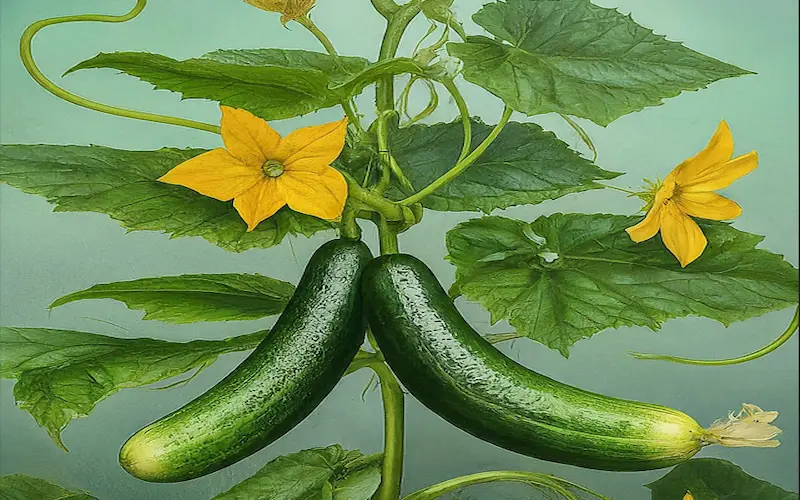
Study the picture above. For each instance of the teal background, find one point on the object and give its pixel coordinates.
(45, 255)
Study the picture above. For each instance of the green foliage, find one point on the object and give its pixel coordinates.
(715, 479)
(123, 185)
(524, 165)
(22, 487)
(579, 59)
(317, 474)
(437, 10)
(271, 83)
(195, 297)
(568, 276)
(62, 374)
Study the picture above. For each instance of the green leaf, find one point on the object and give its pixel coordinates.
(524, 165)
(568, 276)
(22, 487)
(62, 374)
(195, 297)
(271, 83)
(715, 479)
(123, 185)
(358, 485)
(579, 59)
(315, 474)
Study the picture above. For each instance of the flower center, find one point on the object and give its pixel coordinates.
(670, 188)
(272, 168)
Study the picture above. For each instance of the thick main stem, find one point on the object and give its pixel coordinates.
(394, 421)
(387, 237)
(26, 55)
(397, 21)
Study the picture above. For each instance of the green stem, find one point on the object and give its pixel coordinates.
(308, 24)
(388, 209)
(730, 361)
(385, 7)
(348, 106)
(363, 359)
(531, 478)
(27, 60)
(349, 228)
(398, 19)
(463, 110)
(631, 193)
(582, 134)
(461, 165)
(455, 26)
(388, 163)
(387, 236)
(495, 338)
(394, 416)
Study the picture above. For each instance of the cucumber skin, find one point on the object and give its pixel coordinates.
(460, 376)
(277, 386)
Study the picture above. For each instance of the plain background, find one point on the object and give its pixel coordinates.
(46, 255)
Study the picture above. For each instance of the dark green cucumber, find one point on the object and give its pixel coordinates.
(460, 376)
(283, 380)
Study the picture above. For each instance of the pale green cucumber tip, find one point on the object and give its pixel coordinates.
(140, 458)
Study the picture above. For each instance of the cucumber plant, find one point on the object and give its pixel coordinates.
(557, 280)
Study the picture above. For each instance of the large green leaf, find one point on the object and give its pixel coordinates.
(317, 474)
(568, 276)
(62, 374)
(123, 185)
(22, 487)
(195, 297)
(572, 57)
(715, 479)
(524, 165)
(271, 83)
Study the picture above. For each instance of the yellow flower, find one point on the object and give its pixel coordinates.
(262, 172)
(688, 496)
(291, 9)
(688, 191)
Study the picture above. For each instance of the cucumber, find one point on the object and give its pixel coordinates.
(283, 380)
(460, 376)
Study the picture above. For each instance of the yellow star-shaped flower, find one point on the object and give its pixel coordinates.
(688, 191)
(261, 172)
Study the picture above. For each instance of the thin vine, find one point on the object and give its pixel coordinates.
(26, 55)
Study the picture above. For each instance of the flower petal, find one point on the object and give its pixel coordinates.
(723, 175)
(648, 227)
(321, 195)
(259, 202)
(247, 136)
(718, 151)
(681, 235)
(216, 174)
(269, 5)
(312, 149)
(708, 206)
